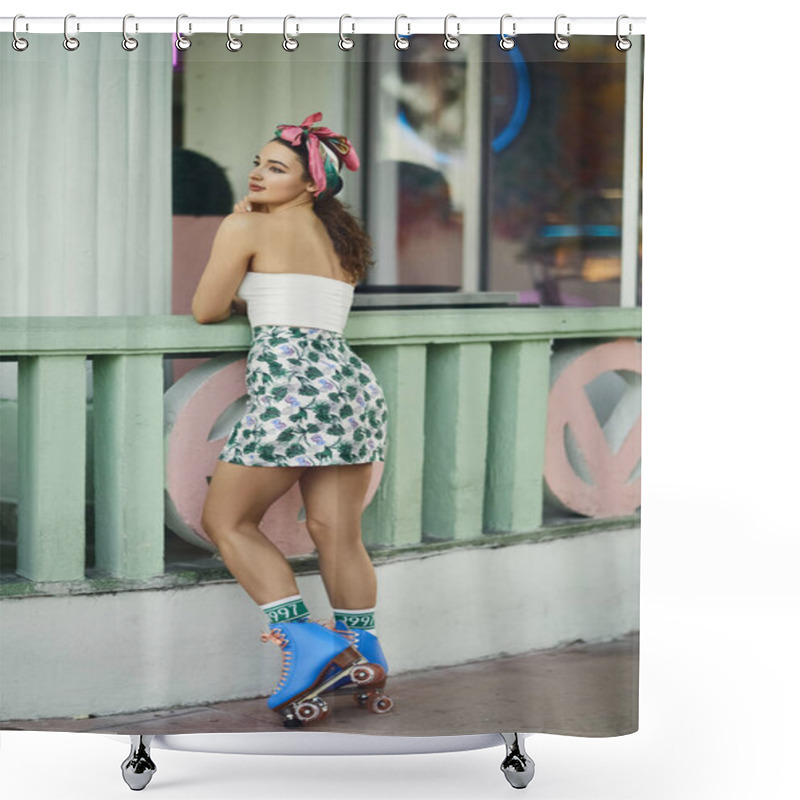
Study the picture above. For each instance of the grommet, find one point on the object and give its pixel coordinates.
(622, 44)
(344, 42)
(181, 42)
(401, 42)
(288, 42)
(560, 42)
(233, 44)
(128, 42)
(70, 42)
(506, 42)
(451, 42)
(18, 43)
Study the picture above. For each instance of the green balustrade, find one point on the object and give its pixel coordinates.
(466, 391)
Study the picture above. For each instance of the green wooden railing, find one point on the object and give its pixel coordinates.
(466, 391)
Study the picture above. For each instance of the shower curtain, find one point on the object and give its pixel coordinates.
(500, 189)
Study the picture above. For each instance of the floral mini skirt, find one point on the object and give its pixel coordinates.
(311, 401)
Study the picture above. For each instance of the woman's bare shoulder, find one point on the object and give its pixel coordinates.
(236, 221)
(278, 223)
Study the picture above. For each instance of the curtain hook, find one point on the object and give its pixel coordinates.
(288, 42)
(128, 42)
(344, 42)
(560, 42)
(451, 42)
(70, 42)
(233, 44)
(622, 43)
(506, 42)
(401, 42)
(18, 43)
(181, 42)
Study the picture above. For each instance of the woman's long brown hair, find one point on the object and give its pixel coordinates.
(351, 242)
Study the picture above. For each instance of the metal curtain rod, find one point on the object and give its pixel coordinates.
(402, 25)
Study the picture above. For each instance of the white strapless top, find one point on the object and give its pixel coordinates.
(294, 298)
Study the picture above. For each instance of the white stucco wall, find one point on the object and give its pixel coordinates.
(140, 650)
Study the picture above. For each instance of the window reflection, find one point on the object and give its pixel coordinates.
(420, 121)
(429, 231)
(551, 178)
(519, 153)
(556, 184)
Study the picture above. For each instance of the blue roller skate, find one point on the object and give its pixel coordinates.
(314, 658)
(366, 695)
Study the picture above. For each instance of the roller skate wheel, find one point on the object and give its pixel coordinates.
(312, 710)
(367, 673)
(324, 710)
(379, 703)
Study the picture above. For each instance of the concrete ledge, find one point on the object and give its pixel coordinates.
(213, 570)
(76, 655)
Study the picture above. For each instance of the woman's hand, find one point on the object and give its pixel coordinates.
(244, 206)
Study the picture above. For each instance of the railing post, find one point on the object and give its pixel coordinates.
(517, 425)
(129, 465)
(51, 529)
(394, 516)
(456, 413)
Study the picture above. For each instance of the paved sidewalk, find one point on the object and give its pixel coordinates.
(582, 690)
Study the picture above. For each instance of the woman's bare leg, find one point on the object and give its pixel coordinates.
(237, 499)
(334, 498)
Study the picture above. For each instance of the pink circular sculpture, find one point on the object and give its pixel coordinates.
(593, 446)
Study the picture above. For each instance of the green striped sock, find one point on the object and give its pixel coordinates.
(289, 609)
(363, 618)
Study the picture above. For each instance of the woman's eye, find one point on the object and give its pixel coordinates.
(279, 171)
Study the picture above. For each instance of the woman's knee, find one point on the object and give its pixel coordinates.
(218, 524)
(213, 529)
(332, 533)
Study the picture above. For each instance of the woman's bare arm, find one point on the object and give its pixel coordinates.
(231, 252)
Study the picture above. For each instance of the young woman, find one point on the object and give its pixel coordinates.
(289, 256)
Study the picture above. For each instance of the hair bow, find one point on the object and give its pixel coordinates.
(320, 141)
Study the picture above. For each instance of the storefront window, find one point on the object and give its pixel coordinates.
(482, 169)
(503, 170)
(555, 174)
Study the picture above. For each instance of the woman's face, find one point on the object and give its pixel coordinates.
(275, 178)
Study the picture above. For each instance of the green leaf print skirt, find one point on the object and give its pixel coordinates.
(311, 401)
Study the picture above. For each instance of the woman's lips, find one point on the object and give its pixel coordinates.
(256, 188)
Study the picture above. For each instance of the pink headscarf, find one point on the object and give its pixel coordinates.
(322, 143)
